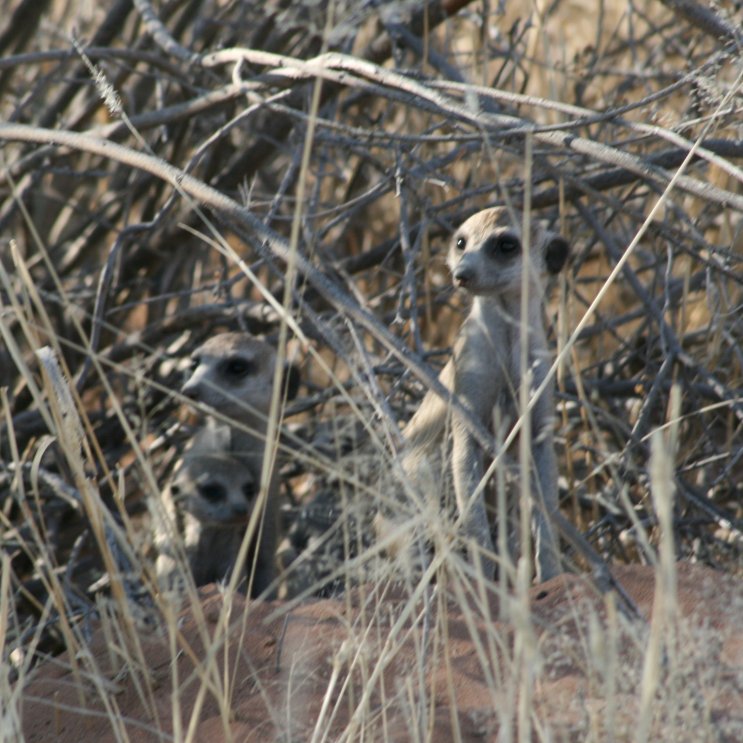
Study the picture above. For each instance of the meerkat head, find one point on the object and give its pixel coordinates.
(215, 488)
(234, 373)
(486, 253)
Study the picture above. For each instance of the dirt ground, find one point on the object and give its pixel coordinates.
(287, 668)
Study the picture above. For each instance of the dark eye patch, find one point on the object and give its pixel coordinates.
(248, 489)
(508, 244)
(236, 366)
(504, 245)
(213, 492)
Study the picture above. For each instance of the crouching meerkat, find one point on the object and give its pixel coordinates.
(486, 258)
(232, 374)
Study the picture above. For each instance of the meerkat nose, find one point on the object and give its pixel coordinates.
(462, 276)
(191, 391)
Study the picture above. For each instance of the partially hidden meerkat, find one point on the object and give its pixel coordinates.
(486, 259)
(233, 374)
(209, 501)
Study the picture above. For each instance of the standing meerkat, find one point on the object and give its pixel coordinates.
(486, 259)
(209, 501)
(233, 374)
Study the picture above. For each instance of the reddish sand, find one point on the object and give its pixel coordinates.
(287, 675)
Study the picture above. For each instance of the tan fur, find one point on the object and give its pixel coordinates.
(486, 260)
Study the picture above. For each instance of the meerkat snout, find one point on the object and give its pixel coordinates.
(463, 275)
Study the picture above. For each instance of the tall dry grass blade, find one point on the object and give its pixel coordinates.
(10, 719)
(529, 499)
(661, 642)
(110, 539)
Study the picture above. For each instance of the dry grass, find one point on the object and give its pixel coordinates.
(152, 193)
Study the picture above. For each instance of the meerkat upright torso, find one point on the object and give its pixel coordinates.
(486, 259)
(233, 374)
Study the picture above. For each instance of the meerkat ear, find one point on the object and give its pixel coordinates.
(556, 250)
(291, 380)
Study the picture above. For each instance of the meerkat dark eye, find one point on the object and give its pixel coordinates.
(236, 367)
(461, 243)
(508, 244)
(248, 489)
(212, 492)
(502, 246)
(195, 361)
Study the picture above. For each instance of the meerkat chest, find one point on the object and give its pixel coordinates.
(488, 358)
(480, 370)
(487, 348)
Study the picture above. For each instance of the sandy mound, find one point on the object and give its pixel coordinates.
(367, 667)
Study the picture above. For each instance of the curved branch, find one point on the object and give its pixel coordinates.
(352, 72)
(162, 37)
